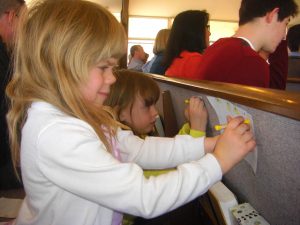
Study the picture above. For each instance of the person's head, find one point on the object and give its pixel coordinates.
(9, 14)
(161, 40)
(252, 9)
(293, 38)
(133, 97)
(269, 20)
(189, 32)
(137, 52)
(65, 51)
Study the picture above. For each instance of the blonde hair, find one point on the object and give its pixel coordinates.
(161, 41)
(128, 87)
(58, 43)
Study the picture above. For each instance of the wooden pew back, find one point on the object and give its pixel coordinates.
(274, 191)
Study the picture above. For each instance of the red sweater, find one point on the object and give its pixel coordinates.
(232, 60)
(186, 66)
(279, 66)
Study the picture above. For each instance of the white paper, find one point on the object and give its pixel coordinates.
(225, 108)
(9, 207)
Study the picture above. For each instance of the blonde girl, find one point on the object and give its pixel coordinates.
(77, 166)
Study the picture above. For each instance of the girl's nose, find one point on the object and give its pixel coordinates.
(154, 111)
(110, 78)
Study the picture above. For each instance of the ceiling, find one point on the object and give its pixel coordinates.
(218, 9)
(162, 8)
(114, 6)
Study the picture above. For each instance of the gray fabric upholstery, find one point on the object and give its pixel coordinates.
(274, 191)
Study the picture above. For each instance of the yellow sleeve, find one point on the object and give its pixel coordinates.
(148, 173)
(197, 133)
(187, 130)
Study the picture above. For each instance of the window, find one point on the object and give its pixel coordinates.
(219, 29)
(145, 27)
(143, 30)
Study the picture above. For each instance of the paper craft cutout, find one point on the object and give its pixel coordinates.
(225, 108)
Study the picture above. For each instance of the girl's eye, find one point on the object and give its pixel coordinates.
(146, 107)
(103, 67)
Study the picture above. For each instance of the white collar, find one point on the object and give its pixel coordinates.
(247, 40)
(251, 45)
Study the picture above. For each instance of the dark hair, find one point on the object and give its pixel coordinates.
(187, 33)
(251, 9)
(293, 38)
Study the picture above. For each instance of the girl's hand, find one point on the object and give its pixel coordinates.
(234, 144)
(196, 114)
(210, 143)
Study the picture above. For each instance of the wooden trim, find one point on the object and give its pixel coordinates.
(284, 103)
(169, 118)
(11, 193)
(124, 22)
(293, 80)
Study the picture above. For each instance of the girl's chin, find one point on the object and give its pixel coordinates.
(146, 131)
(151, 129)
(101, 100)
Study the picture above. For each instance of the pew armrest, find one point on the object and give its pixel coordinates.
(222, 199)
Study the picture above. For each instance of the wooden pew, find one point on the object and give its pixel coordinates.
(11, 193)
(293, 83)
(274, 191)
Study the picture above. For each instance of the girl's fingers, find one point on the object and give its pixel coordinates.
(242, 128)
(229, 118)
(248, 136)
(234, 122)
(196, 103)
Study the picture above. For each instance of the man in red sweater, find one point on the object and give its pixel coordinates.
(262, 26)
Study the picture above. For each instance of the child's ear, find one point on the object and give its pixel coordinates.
(272, 14)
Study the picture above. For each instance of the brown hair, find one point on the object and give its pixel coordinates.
(128, 86)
